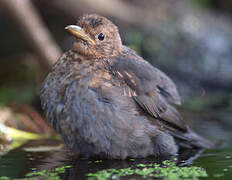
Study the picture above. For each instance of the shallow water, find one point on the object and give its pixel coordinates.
(217, 162)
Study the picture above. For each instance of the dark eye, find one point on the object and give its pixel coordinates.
(101, 36)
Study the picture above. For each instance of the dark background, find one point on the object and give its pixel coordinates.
(191, 41)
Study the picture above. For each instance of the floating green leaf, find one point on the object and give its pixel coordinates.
(169, 170)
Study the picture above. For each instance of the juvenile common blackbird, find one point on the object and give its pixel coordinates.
(106, 100)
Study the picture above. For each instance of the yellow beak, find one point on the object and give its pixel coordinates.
(78, 32)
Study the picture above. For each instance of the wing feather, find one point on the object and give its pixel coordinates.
(154, 91)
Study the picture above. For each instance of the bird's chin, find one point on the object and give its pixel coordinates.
(81, 47)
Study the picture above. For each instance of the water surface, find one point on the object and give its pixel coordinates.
(217, 162)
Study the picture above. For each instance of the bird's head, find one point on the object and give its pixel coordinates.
(96, 37)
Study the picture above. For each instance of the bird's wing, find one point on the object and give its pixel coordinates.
(154, 91)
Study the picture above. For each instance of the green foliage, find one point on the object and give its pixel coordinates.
(135, 40)
(204, 3)
(18, 84)
(209, 102)
(196, 104)
(17, 94)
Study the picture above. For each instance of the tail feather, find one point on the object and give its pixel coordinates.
(198, 141)
(190, 139)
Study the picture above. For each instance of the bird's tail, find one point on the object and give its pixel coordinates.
(190, 139)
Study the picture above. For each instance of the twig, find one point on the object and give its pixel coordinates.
(26, 16)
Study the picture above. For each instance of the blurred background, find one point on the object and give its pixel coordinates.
(191, 41)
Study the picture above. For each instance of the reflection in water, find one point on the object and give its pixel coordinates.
(81, 166)
(217, 162)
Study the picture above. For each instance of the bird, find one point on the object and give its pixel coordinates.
(107, 101)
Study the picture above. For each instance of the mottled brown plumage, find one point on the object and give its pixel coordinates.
(106, 100)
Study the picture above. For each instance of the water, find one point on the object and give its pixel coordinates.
(217, 162)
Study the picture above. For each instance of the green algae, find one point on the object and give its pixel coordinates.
(43, 174)
(50, 175)
(96, 161)
(4, 178)
(218, 175)
(168, 169)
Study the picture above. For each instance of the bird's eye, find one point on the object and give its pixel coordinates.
(101, 36)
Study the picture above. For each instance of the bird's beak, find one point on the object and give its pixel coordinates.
(78, 32)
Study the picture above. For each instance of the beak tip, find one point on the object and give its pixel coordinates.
(74, 27)
(78, 32)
